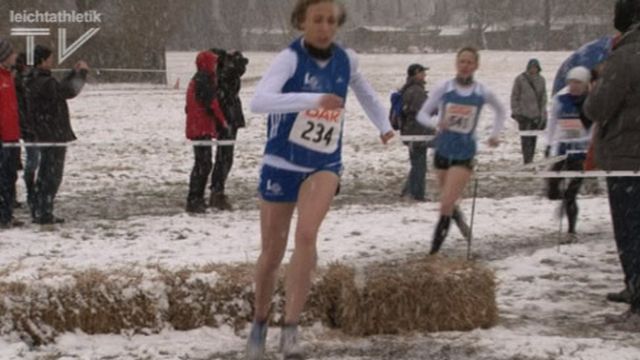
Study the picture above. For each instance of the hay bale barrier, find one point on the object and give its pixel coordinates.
(426, 295)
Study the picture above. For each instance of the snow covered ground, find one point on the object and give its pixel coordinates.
(125, 189)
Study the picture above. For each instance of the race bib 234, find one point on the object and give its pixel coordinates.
(318, 130)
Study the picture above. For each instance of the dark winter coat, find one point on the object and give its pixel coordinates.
(230, 70)
(26, 121)
(414, 96)
(204, 115)
(614, 105)
(9, 118)
(48, 104)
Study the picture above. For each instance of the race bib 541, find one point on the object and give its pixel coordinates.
(318, 130)
(460, 118)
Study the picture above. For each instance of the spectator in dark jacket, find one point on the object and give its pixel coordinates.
(614, 106)
(414, 96)
(26, 125)
(231, 66)
(529, 106)
(52, 126)
(205, 121)
(9, 135)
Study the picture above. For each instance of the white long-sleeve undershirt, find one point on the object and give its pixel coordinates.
(269, 98)
(553, 121)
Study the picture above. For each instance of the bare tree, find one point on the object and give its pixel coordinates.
(441, 13)
(482, 14)
(234, 15)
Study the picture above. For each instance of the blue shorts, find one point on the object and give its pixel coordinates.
(283, 186)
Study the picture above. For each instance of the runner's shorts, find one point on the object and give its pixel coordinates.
(283, 186)
(444, 163)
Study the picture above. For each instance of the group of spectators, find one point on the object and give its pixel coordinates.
(214, 111)
(34, 109)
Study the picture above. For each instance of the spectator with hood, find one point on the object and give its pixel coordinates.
(529, 106)
(205, 121)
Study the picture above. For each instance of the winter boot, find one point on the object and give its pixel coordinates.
(48, 220)
(197, 206)
(220, 201)
(257, 341)
(628, 321)
(569, 238)
(623, 296)
(13, 223)
(289, 345)
(442, 230)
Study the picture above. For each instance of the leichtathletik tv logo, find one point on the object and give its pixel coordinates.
(20, 21)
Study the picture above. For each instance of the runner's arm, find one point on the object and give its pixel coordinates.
(367, 97)
(269, 97)
(500, 113)
(553, 121)
(431, 106)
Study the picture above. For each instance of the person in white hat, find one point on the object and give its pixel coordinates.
(568, 136)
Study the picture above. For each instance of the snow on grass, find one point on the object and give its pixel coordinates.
(123, 198)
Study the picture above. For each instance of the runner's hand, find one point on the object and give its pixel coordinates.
(443, 125)
(82, 65)
(387, 137)
(494, 142)
(331, 102)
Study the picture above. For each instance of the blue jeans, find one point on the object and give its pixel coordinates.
(624, 200)
(48, 181)
(416, 181)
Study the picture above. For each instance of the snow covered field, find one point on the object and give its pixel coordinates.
(125, 188)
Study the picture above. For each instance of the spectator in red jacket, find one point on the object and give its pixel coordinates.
(205, 120)
(9, 135)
